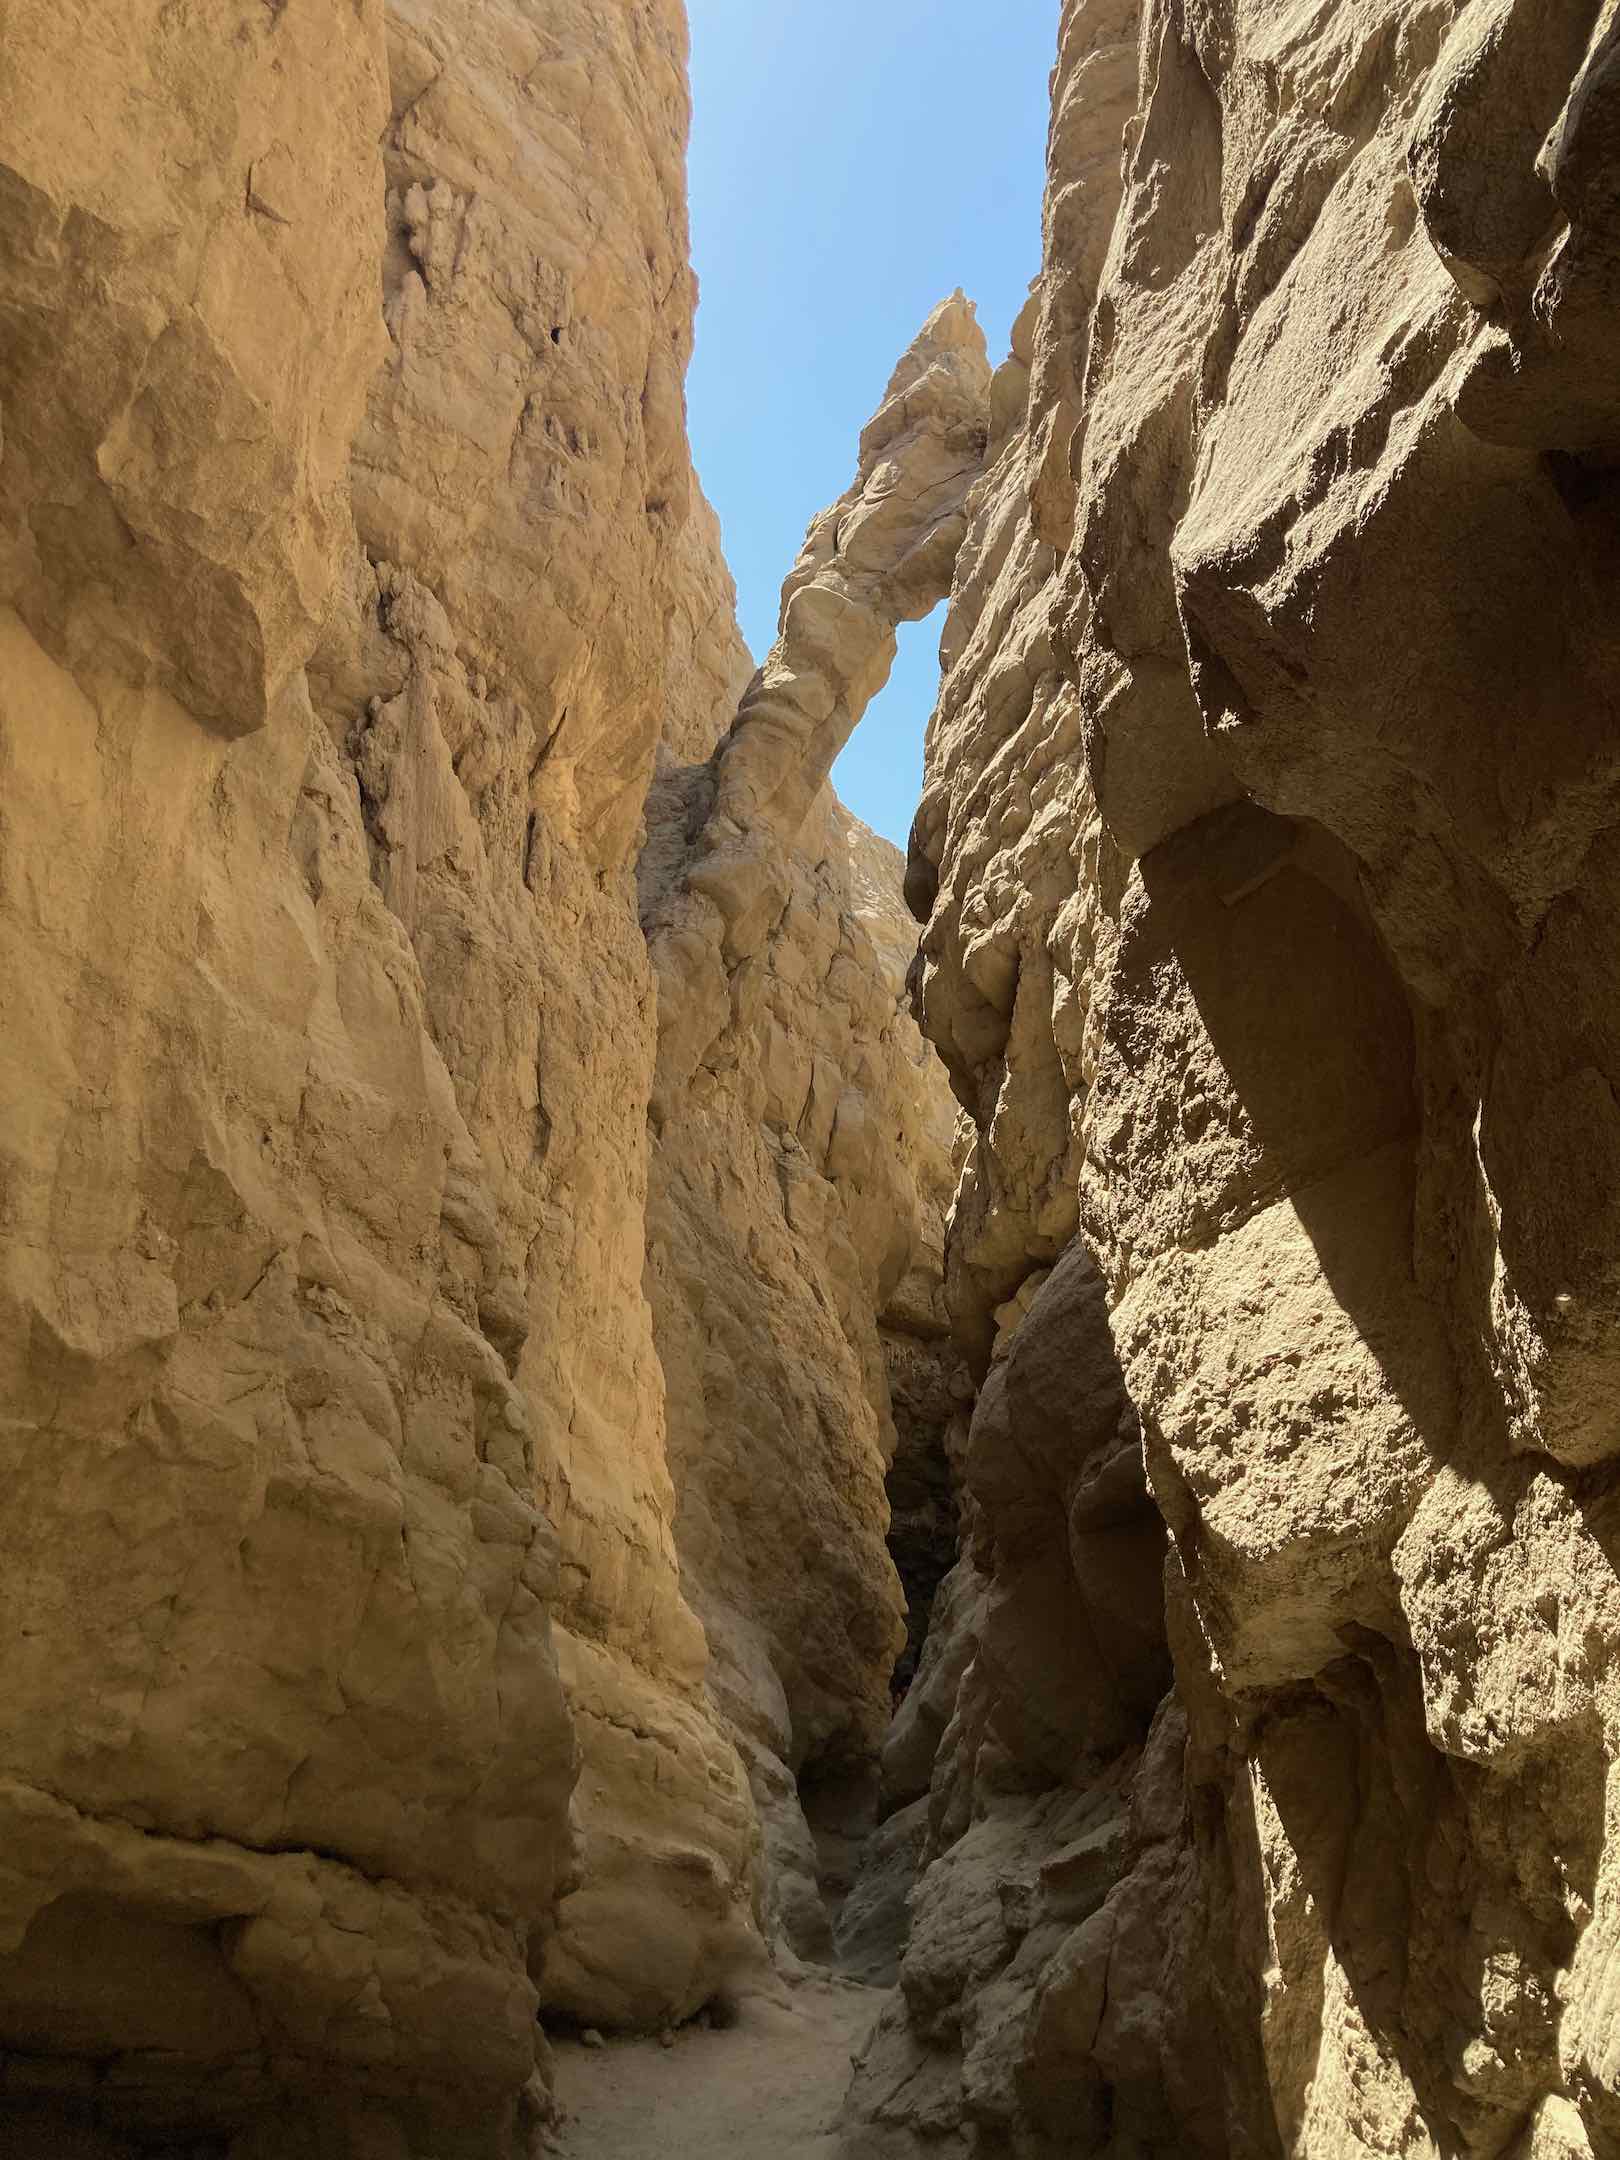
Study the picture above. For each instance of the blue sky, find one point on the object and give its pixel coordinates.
(853, 161)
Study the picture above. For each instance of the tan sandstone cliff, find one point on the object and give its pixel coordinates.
(1265, 853)
(286, 1760)
(357, 1699)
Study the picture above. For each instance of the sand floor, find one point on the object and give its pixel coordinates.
(767, 2088)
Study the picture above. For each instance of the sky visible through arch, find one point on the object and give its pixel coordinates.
(852, 162)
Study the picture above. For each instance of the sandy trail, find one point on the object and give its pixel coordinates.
(768, 2088)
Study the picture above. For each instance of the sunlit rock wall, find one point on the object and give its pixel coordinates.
(380, 1421)
(1265, 848)
(351, 577)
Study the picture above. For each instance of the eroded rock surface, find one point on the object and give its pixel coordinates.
(286, 1759)
(470, 1294)
(549, 588)
(1264, 849)
(388, 1410)
(801, 1148)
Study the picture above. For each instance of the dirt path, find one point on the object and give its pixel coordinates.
(768, 2088)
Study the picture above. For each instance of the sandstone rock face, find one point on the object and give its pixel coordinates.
(473, 1335)
(883, 554)
(783, 1211)
(927, 1383)
(286, 1762)
(533, 604)
(387, 1410)
(349, 584)
(1265, 849)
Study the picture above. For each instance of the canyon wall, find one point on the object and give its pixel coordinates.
(356, 586)
(1265, 855)
(784, 1218)
(286, 1759)
(800, 1142)
(470, 1196)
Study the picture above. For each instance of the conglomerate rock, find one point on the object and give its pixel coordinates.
(1266, 849)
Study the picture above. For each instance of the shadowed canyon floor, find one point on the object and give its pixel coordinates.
(768, 2087)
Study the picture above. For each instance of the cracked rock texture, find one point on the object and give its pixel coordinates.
(1267, 855)
(784, 1219)
(536, 597)
(357, 1559)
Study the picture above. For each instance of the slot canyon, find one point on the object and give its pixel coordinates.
(676, 1484)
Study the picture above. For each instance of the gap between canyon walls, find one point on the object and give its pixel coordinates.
(801, 1158)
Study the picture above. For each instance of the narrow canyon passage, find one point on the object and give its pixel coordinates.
(548, 1275)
